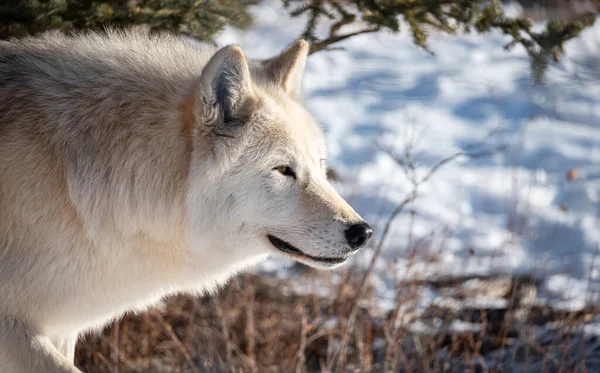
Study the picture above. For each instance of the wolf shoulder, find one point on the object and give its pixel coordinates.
(60, 76)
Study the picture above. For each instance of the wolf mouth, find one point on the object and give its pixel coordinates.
(288, 248)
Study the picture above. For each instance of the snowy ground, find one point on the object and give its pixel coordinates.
(511, 212)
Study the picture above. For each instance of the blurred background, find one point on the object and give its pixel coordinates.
(466, 132)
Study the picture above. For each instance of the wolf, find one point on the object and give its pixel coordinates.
(134, 166)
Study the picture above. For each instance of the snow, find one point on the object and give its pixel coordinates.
(510, 212)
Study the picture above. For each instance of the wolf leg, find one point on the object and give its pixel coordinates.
(24, 350)
(66, 346)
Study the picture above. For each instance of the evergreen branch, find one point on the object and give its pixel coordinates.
(446, 16)
(324, 44)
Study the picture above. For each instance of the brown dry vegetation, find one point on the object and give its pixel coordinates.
(260, 324)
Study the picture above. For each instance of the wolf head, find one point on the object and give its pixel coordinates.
(258, 175)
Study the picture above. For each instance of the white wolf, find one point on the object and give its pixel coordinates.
(135, 166)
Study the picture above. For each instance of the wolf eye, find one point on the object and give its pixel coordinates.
(286, 170)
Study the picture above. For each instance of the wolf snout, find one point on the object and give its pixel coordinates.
(358, 235)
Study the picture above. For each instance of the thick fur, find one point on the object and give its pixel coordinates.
(135, 166)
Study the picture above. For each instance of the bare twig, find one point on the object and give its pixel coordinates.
(169, 329)
(300, 357)
(225, 332)
(406, 162)
(116, 334)
(324, 44)
(250, 330)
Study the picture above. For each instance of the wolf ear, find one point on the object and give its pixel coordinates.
(287, 69)
(226, 82)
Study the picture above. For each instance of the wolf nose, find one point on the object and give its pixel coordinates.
(358, 234)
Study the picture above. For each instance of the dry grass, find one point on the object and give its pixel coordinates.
(260, 324)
